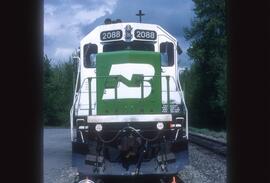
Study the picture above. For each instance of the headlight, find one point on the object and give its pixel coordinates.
(160, 125)
(86, 181)
(98, 127)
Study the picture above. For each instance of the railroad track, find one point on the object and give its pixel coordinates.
(214, 145)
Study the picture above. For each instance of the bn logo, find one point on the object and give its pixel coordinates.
(127, 85)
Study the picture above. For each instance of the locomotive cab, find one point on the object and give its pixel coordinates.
(129, 115)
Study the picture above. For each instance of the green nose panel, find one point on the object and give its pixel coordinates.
(120, 77)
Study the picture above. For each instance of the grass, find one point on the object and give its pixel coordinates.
(205, 131)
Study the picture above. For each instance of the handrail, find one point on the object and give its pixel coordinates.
(78, 93)
(74, 98)
(166, 76)
(178, 82)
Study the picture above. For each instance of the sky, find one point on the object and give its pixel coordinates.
(66, 22)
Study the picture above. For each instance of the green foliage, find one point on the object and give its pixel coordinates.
(57, 92)
(220, 135)
(205, 83)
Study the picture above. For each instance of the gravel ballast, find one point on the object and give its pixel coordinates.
(204, 166)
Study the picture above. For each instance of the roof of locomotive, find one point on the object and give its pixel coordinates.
(113, 26)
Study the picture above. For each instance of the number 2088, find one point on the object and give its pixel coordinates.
(145, 34)
(110, 35)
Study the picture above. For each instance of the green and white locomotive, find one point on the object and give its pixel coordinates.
(129, 116)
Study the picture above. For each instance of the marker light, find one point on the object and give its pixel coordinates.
(98, 127)
(175, 125)
(160, 125)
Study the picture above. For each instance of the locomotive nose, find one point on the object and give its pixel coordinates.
(128, 82)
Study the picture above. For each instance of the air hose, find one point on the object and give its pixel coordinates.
(129, 127)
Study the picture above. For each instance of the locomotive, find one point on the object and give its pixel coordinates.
(128, 116)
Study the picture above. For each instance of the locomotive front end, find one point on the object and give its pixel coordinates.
(136, 120)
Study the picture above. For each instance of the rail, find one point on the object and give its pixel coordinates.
(210, 143)
(183, 97)
(168, 90)
(76, 99)
(75, 96)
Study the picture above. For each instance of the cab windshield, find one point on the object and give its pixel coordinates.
(134, 45)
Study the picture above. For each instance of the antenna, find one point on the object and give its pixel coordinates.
(140, 14)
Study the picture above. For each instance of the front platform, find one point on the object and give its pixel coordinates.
(150, 168)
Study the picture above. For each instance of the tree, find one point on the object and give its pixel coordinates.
(47, 72)
(57, 92)
(207, 89)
